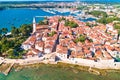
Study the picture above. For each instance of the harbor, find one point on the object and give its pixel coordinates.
(14, 18)
(78, 14)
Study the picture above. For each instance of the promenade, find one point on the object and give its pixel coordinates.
(82, 62)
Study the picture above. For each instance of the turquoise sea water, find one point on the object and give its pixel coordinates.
(18, 16)
(48, 72)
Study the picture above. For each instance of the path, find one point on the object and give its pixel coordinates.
(8, 70)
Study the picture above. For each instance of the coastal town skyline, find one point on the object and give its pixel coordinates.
(77, 40)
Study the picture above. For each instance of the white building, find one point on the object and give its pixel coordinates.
(26, 46)
(109, 27)
(47, 50)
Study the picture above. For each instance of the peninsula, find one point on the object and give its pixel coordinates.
(69, 40)
(66, 39)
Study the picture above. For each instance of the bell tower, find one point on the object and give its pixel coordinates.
(34, 25)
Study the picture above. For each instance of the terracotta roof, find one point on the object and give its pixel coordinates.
(62, 50)
(40, 43)
(30, 40)
(98, 53)
(35, 51)
(29, 53)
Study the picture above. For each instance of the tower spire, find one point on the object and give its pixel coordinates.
(34, 25)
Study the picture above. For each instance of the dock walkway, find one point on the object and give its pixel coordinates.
(9, 68)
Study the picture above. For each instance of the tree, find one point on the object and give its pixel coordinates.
(0, 49)
(10, 46)
(71, 24)
(14, 31)
(26, 29)
(11, 53)
(6, 44)
(62, 19)
(4, 30)
(51, 34)
(81, 38)
(106, 20)
(41, 23)
(102, 20)
(0, 33)
(44, 22)
(98, 13)
(117, 26)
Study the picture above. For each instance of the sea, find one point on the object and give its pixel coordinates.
(18, 16)
(53, 72)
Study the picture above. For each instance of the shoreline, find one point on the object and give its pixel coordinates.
(22, 63)
(95, 71)
(64, 71)
(36, 59)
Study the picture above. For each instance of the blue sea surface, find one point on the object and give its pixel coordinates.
(88, 19)
(17, 16)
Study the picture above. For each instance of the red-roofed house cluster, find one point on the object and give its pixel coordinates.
(98, 43)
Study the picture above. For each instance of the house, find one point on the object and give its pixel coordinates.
(36, 52)
(29, 42)
(62, 52)
(29, 54)
(49, 44)
(48, 49)
(26, 46)
(39, 45)
(109, 27)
